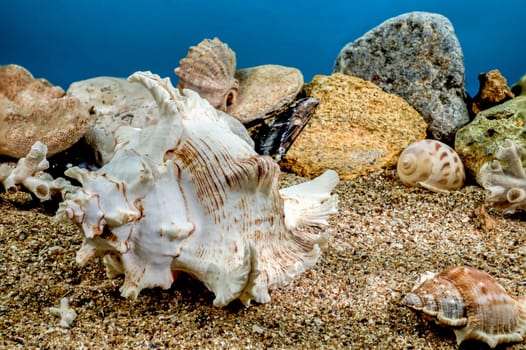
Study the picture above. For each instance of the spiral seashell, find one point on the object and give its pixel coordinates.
(209, 69)
(473, 303)
(431, 164)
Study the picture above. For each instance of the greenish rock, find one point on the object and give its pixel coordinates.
(519, 88)
(478, 141)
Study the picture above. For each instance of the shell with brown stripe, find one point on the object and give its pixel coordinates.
(472, 303)
(431, 164)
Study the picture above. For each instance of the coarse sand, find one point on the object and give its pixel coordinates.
(384, 237)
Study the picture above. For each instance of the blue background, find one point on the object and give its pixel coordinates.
(69, 40)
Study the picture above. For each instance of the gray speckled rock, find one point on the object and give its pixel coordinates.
(416, 56)
(478, 142)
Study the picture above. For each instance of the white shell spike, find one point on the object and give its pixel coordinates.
(302, 201)
(188, 194)
(431, 164)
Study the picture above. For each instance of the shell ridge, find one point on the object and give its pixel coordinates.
(205, 70)
(311, 202)
(293, 253)
(256, 173)
(209, 68)
(166, 134)
(250, 290)
(228, 285)
(139, 276)
(210, 176)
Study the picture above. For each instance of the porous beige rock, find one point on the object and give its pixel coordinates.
(34, 110)
(356, 129)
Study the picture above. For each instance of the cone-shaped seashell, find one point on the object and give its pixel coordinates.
(209, 69)
(473, 303)
(431, 164)
(188, 194)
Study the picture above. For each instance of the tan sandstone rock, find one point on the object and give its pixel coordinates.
(33, 110)
(356, 129)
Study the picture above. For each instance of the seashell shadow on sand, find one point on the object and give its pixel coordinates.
(384, 236)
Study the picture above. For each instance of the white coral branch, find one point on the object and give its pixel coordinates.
(28, 173)
(505, 178)
(512, 154)
(66, 313)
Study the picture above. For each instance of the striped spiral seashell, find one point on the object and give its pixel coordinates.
(209, 69)
(473, 303)
(431, 164)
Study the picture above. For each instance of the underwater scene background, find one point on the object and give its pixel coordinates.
(66, 41)
(166, 183)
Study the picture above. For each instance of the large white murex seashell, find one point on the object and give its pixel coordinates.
(188, 194)
(473, 303)
(431, 164)
(117, 102)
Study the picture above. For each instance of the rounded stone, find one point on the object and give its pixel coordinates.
(34, 110)
(265, 91)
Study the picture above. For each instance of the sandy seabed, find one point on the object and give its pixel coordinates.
(383, 238)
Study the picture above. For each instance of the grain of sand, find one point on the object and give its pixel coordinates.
(383, 238)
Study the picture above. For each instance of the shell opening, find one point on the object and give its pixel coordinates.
(42, 191)
(231, 98)
(515, 195)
